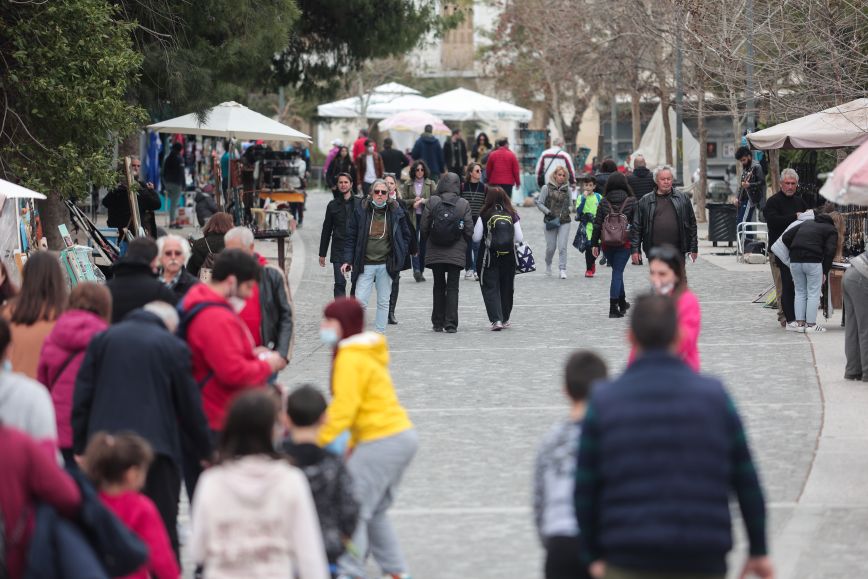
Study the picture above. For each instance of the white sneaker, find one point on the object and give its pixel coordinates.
(563, 274)
(814, 328)
(506, 325)
(794, 327)
(475, 276)
(468, 274)
(496, 326)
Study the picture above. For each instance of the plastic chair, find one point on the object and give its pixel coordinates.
(744, 229)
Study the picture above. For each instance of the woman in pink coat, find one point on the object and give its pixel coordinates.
(668, 277)
(89, 313)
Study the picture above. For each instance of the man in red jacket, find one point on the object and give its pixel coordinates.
(225, 359)
(502, 167)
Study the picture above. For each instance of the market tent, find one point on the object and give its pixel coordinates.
(840, 126)
(467, 105)
(232, 121)
(12, 191)
(381, 96)
(652, 146)
(848, 183)
(401, 104)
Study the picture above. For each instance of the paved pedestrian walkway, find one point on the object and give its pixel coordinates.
(482, 400)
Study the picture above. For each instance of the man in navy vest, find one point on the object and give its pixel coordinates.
(662, 451)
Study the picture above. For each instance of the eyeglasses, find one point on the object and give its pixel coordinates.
(477, 170)
(420, 169)
(380, 192)
(170, 253)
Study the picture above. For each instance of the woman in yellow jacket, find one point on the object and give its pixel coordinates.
(383, 438)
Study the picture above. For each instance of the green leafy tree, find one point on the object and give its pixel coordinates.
(66, 67)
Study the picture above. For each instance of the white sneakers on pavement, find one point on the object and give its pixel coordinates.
(563, 274)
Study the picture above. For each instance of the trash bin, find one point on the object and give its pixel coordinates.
(721, 222)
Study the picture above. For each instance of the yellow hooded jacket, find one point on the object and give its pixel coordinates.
(363, 396)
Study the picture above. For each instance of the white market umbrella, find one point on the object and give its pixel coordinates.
(848, 183)
(13, 191)
(844, 125)
(413, 121)
(232, 121)
(462, 104)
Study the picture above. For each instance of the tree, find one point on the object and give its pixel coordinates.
(66, 67)
(335, 38)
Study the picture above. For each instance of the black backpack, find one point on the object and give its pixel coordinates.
(501, 231)
(448, 224)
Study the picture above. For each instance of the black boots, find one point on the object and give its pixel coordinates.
(623, 306)
(614, 312)
(393, 301)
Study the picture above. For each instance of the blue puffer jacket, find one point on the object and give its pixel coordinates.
(356, 243)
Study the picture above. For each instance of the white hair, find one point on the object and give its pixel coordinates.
(242, 234)
(788, 172)
(557, 142)
(662, 168)
(638, 161)
(185, 246)
(167, 314)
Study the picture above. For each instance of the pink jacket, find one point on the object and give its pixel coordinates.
(68, 340)
(689, 325)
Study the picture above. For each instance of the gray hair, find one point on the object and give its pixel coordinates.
(638, 161)
(788, 172)
(557, 142)
(242, 234)
(379, 182)
(185, 246)
(662, 168)
(167, 314)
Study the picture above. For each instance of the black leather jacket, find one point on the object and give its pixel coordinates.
(642, 231)
(274, 303)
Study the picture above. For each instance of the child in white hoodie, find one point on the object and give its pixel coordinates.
(253, 516)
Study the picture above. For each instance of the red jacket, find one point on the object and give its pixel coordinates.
(140, 516)
(29, 475)
(502, 168)
(222, 349)
(66, 344)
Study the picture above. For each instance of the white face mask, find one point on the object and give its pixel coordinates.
(236, 303)
(665, 289)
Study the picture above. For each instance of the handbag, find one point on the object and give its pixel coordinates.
(524, 261)
(553, 223)
(207, 266)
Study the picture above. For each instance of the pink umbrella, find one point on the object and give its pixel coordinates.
(413, 121)
(848, 183)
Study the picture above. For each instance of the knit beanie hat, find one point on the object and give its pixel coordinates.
(349, 312)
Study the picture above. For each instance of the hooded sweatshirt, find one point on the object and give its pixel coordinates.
(223, 356)
(62, 355)
(364, 399)
(254, 518)
(428, 149)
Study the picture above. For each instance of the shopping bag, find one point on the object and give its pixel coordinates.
(524, 261)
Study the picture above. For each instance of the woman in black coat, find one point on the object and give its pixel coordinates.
(342, 163)
(211, 242)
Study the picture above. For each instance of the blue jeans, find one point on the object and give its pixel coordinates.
(808, 280)
(340, 281)
(375, 275)
(618, 259)
(470, 256)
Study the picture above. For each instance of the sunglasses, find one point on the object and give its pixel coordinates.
(134, 165)
(420, 169)
(477, 170)
(664, 253)
(380, 192)
(170, 253)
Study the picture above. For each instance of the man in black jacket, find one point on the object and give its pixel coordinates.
(137, 376)
(664, 216)
(134, 280)
(334, 229)
(781, 210)
(641, 180)
(268, 311)
(455, 154)
(752, 192)
(117, 203)
(394, 161)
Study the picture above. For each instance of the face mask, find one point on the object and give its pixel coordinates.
(370, 149)
(379, 204)
(329, 337)
(665, 289)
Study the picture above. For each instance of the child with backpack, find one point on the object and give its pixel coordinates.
(118, 466)
(330, 481)
(497, 230)
(612, 234)
(555, 473)
(586, 211)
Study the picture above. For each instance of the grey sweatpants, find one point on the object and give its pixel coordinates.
(377, 468)
(558, 238)
(856, 325)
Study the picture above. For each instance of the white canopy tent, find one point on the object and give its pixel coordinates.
(10, 190)
(652, 146)
(232, 121)
(462, 104)
(383, 101)
(844, 125)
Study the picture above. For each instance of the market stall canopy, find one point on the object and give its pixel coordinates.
(840, 126)
(462, 104)
(848, 183)
(378, 101)
(12, 191)
(414, 121)
(652, 146)
(232, 121)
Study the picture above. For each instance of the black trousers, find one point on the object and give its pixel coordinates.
(163, 486)
(788, 292)
(563, 560)
(340, 281)
(590, 260)
(498, 285)
(445, 314)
